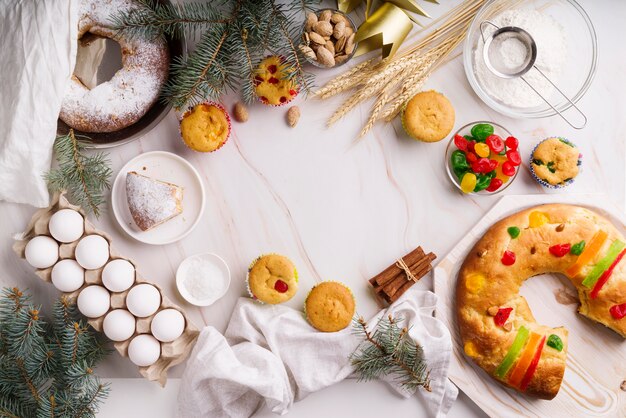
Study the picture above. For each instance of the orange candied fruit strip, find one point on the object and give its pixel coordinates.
(524, 361)
(588, 253)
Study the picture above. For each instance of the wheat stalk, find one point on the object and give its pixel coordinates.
(393, 81)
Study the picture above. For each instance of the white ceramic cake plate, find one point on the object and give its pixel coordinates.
(171, 168)
(596, 358)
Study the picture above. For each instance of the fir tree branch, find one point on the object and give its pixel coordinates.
(86, 178)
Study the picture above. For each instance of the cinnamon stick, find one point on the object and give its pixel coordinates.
(392, 287)
(393, 271)
(406, 286)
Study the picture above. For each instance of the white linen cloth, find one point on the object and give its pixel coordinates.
(271, 355)
(38, 56)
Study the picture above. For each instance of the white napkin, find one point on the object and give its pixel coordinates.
(38, 56)
(271, 355)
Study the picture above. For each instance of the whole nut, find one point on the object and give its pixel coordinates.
(326, 15)
(311, 19)
(293, 115)
(339, 29)
(330, 46)
(349, 45)
(493, 311)
(348, 31)
(340, 44)
(338, 17)
(240, 112)
(308, 52)
(317, 38)
(323, 28)
(325, 57)
(341, 58)
(508, 326)
(560, 228)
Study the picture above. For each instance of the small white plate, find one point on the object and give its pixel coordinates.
(220, 266)
(164, 166)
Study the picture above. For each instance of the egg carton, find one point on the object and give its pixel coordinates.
(172, 353)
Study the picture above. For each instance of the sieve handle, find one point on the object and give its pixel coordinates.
(482, 30)
(584, 118)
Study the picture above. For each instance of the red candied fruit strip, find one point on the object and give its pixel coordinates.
(530, 372)
(605, 276)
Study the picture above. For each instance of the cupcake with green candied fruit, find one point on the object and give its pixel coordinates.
(274, 81)
(555, 162)
(205, 127)
(329, 306)
(272, 279)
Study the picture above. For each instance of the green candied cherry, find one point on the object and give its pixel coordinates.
(577, 248)
(459, 163)
(483, 181)
(513, 231)
(555, 342)
(481, 131)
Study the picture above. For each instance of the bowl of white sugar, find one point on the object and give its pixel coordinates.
(566, 53)
(202, 279)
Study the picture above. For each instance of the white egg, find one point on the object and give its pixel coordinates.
(92, 252)
(118, 275)
(93, 301)
(66, 225)
(144, 350)
(167, 325)
(67, 275)
(119, 325)
(143, 300)
(42, 252)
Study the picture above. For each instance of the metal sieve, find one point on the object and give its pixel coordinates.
(496, 43)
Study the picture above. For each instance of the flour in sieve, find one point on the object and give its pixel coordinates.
(551, 57)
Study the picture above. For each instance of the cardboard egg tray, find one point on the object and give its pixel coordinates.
(172, 353)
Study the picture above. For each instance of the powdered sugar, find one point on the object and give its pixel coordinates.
(551, 58)
(151, 201)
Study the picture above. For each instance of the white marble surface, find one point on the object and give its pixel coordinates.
(339, 210)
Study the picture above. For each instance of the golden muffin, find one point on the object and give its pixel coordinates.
(329, 306)
(205, 127)
(428, 116)
(272, 279)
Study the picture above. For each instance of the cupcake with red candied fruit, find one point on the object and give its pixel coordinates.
(272, 278)
(555, 162)
(274, 82)
(205, 127)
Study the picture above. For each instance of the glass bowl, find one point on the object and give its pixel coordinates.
(580, 60)
(466, 130)
(352, 26)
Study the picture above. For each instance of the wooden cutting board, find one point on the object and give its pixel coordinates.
(596, 362)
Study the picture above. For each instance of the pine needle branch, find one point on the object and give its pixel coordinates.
(389, 350)
(85, 177)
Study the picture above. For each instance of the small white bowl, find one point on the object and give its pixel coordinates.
(209, 258)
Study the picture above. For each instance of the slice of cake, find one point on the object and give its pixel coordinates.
(152, 202)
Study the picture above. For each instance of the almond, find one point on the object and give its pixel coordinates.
(317, 39)
(338, 17)
(240, 112)
(349, 45)
(341, 58)
(293, 116)
(340, 44)
(339, 29)
(330, 46)
(325, 57)
(493, 311)
(308, 52)
(323, 28)
(311, 20)
(326, 15)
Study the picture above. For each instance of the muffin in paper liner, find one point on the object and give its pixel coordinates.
(565, 182)
(270, 83)
(198, 145)
(293, 285)
(324, 324)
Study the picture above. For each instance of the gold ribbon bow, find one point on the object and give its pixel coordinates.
(386, 27)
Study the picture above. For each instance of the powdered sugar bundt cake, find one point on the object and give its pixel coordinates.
(498, 329)
(129, 94)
